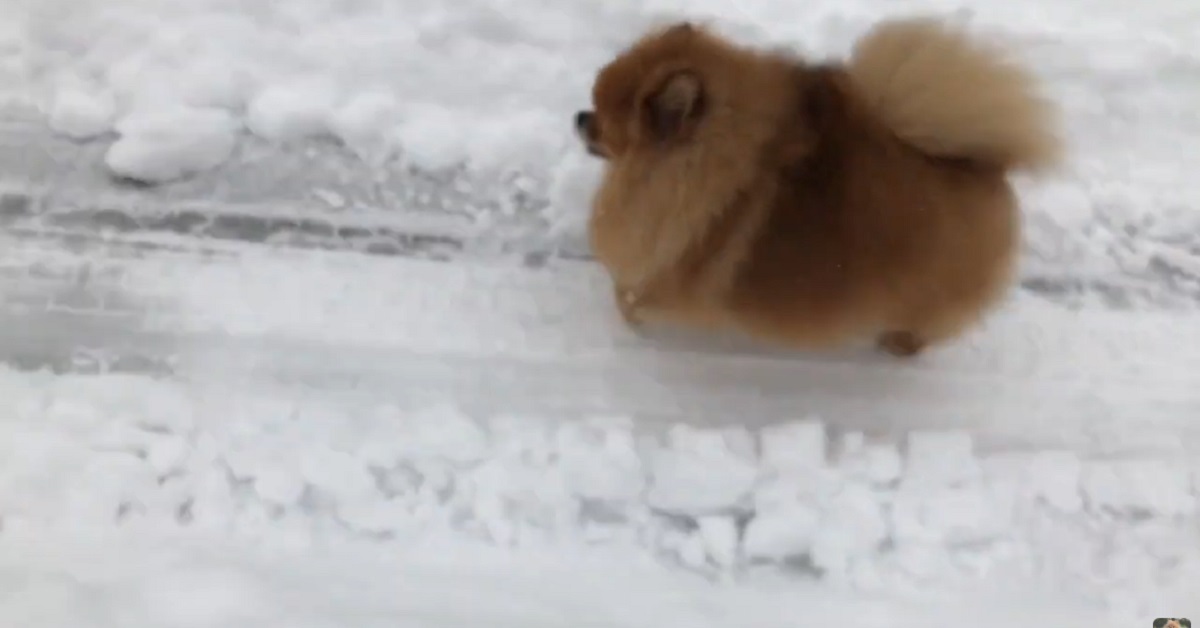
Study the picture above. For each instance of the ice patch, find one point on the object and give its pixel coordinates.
(166, 144)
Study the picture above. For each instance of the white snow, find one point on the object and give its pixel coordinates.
(1140, 486)
(109, 464)
(436, 86)
(181, 583)
(80, 112)
(495, 86)
(291, 111)
(165, 144)
(941, 458)
(347, 440)
(796, 445)
(699, 472)
(600, 461)
(505, 407)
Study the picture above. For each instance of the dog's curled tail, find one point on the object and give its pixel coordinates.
(950, 96)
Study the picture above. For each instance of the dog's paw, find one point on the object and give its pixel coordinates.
(628, 304)
(901, 344)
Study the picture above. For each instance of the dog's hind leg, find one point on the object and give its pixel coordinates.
(914, 334)
(902, 344)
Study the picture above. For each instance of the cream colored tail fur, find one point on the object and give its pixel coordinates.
(951, 96)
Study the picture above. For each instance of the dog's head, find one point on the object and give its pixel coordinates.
(1169, 622)
(685, 88)
(654, 94)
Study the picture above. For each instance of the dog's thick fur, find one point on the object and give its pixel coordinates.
(812, 204)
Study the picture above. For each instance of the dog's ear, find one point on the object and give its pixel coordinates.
(680, 29)
(675, 105)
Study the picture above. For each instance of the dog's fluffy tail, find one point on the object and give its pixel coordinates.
(951, 96)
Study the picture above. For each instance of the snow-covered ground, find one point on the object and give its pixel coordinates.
(297, 330)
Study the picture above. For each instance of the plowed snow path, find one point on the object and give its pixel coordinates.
(323, 398)
(547, 340)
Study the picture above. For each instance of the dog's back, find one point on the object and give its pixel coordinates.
(900, 220)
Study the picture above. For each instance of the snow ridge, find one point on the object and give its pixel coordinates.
(854, 512)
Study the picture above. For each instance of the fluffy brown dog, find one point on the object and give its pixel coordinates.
(813, 204)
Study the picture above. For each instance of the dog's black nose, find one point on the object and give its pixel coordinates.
(583, 120)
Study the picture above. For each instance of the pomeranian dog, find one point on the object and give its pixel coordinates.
(812, 204)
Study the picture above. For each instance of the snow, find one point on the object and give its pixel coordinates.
(795, 445)
(246, 586)
(115, 459)
(329, 438)
(164, 144)
(486, 93)
(492, 406)
(81, 113)
(700, 471)
(498, 84)
(286, 112)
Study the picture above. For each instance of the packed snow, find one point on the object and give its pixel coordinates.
(330, 438)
